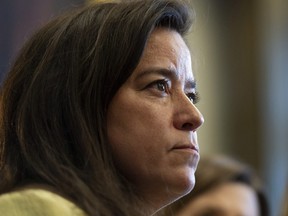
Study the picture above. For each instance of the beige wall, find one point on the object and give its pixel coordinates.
(243, 81)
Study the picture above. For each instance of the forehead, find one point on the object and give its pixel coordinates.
(166, 48)
(166, 40)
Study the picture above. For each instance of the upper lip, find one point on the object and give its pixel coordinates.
(190, 146)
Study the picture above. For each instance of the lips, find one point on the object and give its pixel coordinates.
(187, 146)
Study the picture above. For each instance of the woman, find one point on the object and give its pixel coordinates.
(98, 113)
(224, 187)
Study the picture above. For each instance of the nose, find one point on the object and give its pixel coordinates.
(187, 116)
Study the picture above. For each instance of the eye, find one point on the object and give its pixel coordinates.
(193, 97)
(160, 85)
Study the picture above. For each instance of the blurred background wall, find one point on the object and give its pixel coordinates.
(242, 71)
(240, 54)
(19, 19)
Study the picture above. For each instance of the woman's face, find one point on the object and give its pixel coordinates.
(231, 199)
(152, 121)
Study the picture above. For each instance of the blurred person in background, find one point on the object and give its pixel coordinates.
(224, 187)
(284, 210)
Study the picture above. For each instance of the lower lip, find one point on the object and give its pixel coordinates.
(189, 155)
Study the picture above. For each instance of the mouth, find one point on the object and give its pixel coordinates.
(186, 147)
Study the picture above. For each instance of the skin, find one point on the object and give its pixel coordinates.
(229, 199)
(152, 122)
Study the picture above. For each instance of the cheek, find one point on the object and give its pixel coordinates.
(135, 131)
(130, 121)
(132, 117)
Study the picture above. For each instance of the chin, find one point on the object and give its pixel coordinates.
(180, 193)
(188, 187)
(184, 186)
(174, 191)
(188, 182)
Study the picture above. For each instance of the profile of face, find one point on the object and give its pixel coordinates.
(152, 120)
(229, 199)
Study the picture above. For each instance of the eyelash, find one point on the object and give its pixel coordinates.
(193, 97)
(162, 82)
(161, 86)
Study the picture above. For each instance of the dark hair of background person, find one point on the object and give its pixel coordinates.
(55, 98)
(284, 210)
(215, 170)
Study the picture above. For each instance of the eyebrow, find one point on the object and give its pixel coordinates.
(210, 211)
(172, 74)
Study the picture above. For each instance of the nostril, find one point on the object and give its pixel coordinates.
(187, 126)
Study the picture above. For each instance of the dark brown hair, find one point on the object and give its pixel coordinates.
(54, 100)
(213, 171)
(284, 204)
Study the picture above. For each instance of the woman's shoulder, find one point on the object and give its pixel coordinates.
(32, 201)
